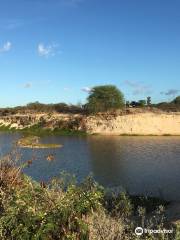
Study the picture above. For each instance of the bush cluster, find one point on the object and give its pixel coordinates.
(65, 210)
(37, 107)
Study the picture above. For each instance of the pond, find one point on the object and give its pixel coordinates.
(140, 165)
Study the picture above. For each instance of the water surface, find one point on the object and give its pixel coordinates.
(141, 165)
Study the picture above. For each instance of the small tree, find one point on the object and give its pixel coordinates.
(142, 103)
(148, 101)
(127, 103)
(104, 98)
(177, 100)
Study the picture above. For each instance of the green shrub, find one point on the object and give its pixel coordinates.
(35, 211)
(104, 98)
(64, 210)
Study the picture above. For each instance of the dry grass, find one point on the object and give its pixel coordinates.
(104, 227)
(10, 173)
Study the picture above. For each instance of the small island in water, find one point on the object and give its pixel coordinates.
(33, 142)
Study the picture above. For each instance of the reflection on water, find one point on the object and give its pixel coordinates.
(141, 165)
(148, 165)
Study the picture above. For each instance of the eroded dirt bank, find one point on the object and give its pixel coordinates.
(141, 123)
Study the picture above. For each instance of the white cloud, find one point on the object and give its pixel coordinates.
(11, 24)
(66, 89)
(138, 88)
(27, 85)
(86, 89)
(47, 51)
(170, 92)
(36, 84)
(6, 47)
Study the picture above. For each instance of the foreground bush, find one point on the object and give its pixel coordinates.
(64, 210)
(30, 210)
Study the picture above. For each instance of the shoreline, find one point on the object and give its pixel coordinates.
(59, 132)
(39, 131)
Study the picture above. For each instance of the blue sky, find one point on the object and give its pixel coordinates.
(56, 50)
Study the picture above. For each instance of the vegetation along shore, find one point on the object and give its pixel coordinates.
(62, 209)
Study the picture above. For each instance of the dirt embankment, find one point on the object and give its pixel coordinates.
(44, 120)
(136, 124)
(132, 123)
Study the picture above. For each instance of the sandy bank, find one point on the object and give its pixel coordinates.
(135, 124)
(139, 123)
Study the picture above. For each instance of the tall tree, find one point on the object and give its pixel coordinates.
(104, 98)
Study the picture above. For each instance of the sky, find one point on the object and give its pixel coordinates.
(57, 50)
